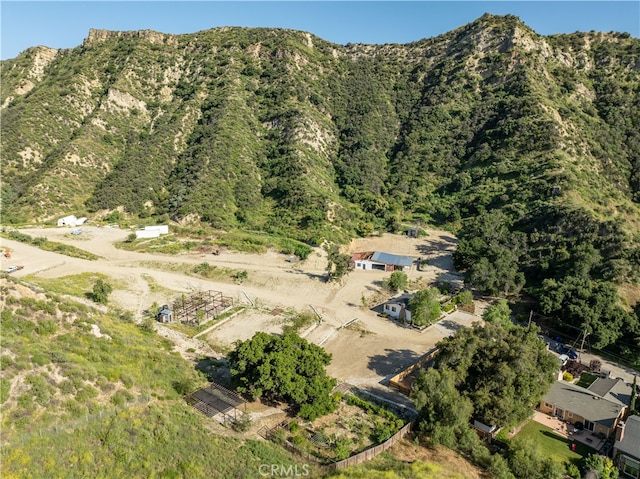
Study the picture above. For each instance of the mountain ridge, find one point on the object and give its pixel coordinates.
(488, 35)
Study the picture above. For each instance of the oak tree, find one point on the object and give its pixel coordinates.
(284, 368)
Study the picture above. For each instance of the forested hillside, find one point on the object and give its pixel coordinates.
(526, 146)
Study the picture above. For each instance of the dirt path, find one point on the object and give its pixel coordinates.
(368, 351)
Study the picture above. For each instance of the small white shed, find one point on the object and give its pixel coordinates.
(70, 220)
(147, 234)
(162, 229)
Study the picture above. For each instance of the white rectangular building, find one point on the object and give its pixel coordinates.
(162, 229)
(147, 234)
(70, 220)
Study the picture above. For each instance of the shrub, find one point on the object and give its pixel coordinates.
(239, 276)
(203, 268)
(398, 281)
(567, 376)
(243, 423)
(289, 246)
(67, 387)
(464, 297)
(46, 327)
(573, 470)
(101, 291)
(183, 386)
(342, 448)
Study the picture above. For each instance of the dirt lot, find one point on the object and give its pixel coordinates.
(364, 353)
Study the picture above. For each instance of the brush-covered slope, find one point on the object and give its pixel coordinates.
(272, 129)
(528, 146)
(85, 393)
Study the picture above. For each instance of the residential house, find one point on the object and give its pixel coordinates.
(598, 408)
(626, 450)
(398, 308)
(378, 260)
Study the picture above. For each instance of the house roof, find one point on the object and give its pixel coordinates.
(614, 390)
(483, 427)
(403, 300)
(361, 255)
(630, 443)
(393, 259)
(583, 402)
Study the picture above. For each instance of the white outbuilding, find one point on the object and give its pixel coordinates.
(152, 231)
(145, 233)
(70, 220)
(162, 229)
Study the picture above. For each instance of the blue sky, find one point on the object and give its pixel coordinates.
(65, 24)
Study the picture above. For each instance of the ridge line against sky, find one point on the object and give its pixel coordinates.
(66, 24)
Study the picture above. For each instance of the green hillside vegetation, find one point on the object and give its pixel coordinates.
(77, 405)
(527, 147)
(63, 360)
(154, 440)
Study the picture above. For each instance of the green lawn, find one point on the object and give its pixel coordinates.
(552, 445)
(586, 379)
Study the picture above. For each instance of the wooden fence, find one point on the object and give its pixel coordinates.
(372, 451)
(359, 458)
(398, 381)
(289, 446)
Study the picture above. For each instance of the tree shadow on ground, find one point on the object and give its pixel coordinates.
(449, 239)
(392, 362)
(442, 261)
(450, 325)
(318, 277)
(455, 279)
(399, 403)
(426, 250)
(215, 370)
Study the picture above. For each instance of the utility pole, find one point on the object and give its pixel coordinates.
(584, 337)
(530, 316)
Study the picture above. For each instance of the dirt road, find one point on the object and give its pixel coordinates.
(371, 349)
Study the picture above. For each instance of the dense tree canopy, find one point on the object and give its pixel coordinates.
(589, 305)
(490, 253)
(493, 374)
(502, 372)
(284, 368)
(425, 307)
(499, 313)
